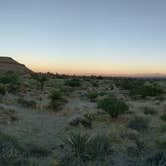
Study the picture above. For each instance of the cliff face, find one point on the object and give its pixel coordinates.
(9, 64)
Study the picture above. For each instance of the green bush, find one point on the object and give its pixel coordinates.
(9, 148)
(163, 117)
(162, 128)
(2, 89)
(41, 78)
(74, 82)
(113, 106)
(92, 96)
(56, 99)
(156, 159)
(138, 123)
(99, 147)
(36, 150)
(161, 142)
(150, 111)
(9, 78)
(26, 103)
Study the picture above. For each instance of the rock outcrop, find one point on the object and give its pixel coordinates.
(9, 64)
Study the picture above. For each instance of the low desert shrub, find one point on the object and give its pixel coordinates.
(36, 150)
(163, 117)
(56, 99)
(92, 96)
(139, 123)
(99, 147)
(161, 142)
(9, 78)
(74, 82)
(11, 81)
(26, 162)
(162, 127)
(26, 103)
(113, 106)
(9, 148)
(156, 159)
(41, 78)
(150, 111)
(2, 89)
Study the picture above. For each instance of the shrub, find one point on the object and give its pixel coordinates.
(2, 89)
(99, 147)
(9, 148)
(161, 142)
(113, 106)
(163, 117)
(26, 162)
(74, 82)
(156, 159)
(149, 111)
(26, 103)
(162, 128)
(56, 99)
(9, 78)
(41, 78)
(92, 96)
(36, 150)
(138, 123)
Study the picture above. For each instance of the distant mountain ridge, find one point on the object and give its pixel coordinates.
(9, 64)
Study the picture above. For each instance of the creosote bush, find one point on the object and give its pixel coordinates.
(26, 103)
(74, 82)
(163, 117)
(11, 81)
(150, 111)
(2, 89)
(41, 78)
(139, 123)
(161, 142)
(92, 96)
(114, 107)
(56, 99)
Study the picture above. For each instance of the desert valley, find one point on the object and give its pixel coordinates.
(50, 119)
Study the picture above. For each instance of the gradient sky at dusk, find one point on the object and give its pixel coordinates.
(85, 36)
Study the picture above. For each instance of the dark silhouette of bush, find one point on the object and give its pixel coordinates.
(74, 82)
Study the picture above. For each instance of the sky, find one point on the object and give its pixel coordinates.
(85, 36)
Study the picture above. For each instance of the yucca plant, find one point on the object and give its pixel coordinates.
(77, 143)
